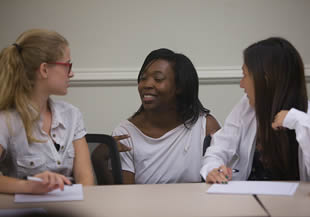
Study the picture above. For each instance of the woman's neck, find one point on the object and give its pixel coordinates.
(41, 102)
(161, 119)
(156, 124)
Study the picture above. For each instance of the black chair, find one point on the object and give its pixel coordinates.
(106, 151)
(206, 144)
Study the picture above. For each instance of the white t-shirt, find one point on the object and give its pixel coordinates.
(23, 159)
(175, 157)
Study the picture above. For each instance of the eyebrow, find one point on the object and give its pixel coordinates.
(157, 72)
(152, 72)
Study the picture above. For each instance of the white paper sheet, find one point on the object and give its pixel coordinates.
(254, 187)
(20, 212)
(74, 192)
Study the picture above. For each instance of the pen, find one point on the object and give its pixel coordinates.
(37, 179)
(233, 170)
(32, 178)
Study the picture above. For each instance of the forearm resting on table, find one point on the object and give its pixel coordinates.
(85, 179)
(12, 185)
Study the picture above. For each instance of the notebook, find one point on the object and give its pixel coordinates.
(70, 193)
(254, 187)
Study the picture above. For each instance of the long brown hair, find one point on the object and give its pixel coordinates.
(19, 63)
(279, 82)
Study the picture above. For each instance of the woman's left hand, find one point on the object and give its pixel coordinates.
(278, 120)
(120, 146)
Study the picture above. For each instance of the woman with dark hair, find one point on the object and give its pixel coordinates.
(168, 130)
(267, 135)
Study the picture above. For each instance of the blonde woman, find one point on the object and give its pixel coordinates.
(39, 136)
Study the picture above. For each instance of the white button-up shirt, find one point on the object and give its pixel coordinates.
(234, 144)
(21, 159)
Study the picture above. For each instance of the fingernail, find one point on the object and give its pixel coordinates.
(223, 182)
(226, 177)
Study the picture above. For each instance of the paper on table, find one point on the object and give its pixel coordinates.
(254, 187)
(21, 212)
(73, 192)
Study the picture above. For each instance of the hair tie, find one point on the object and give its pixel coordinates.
(18, 47)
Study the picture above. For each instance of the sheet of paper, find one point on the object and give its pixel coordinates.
(74, 192)
(21, 212)
(254, 187)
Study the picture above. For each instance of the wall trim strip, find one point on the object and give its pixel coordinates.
(128, 76)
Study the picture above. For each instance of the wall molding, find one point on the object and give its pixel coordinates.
(128, 76)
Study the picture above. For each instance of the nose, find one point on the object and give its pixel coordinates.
(71, 74)
(241, 83)
(147, 83)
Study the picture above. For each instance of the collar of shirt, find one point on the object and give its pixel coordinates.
(56, 114)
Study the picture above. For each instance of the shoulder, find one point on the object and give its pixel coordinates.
(10, 125)
(212, 125)
(9, 116)
(124, 126)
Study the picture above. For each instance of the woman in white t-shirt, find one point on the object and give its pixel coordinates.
(267, 135)
(39, 136)
(168, 130)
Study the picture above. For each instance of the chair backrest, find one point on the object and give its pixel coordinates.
(104, 153)
(206, 144)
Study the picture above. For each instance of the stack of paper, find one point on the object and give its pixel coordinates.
(73, 192)
(254, 187)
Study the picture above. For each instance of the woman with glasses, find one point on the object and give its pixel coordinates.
(267, 134)
(40, 137)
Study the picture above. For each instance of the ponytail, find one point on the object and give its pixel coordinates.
(18, 72)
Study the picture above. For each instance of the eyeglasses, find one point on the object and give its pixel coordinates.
(64, 64)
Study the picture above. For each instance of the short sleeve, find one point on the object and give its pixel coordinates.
(80, 130)
(4, 133)
(126, 158)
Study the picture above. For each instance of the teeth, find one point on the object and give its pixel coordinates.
(148, 96)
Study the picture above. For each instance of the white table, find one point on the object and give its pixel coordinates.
(297, 205)
(166, 200)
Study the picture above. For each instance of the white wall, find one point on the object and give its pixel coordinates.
(110, 39)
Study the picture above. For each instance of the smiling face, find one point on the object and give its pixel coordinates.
(59, 75)
(157, 87)
(247, 83)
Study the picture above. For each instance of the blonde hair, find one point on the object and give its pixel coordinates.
(19, 63)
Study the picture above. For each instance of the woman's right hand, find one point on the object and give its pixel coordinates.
(50, 182)
(120, 146)
(219, 175)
